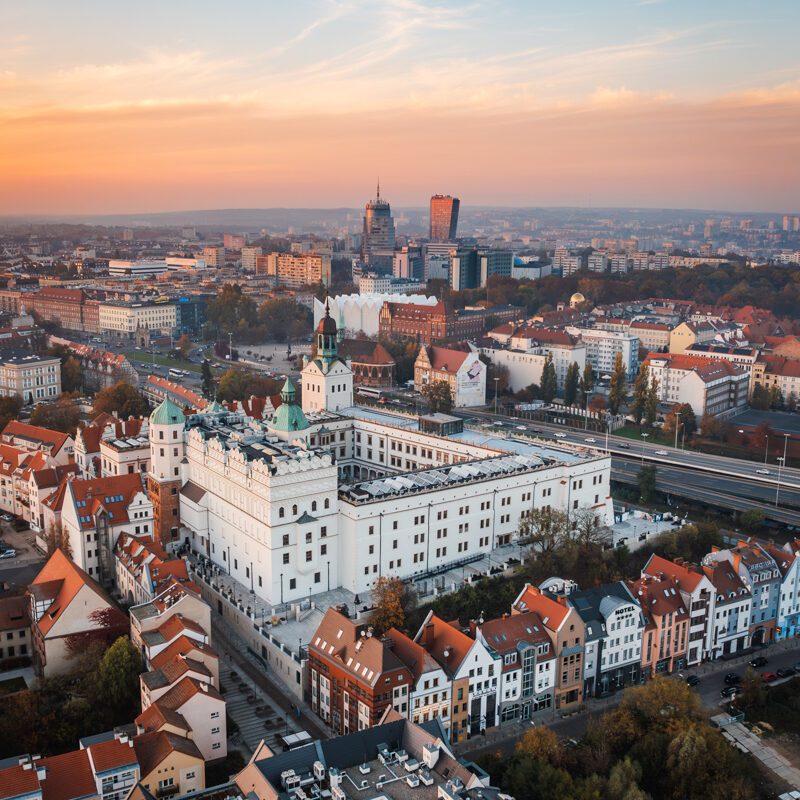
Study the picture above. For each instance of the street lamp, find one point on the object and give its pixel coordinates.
(778, 487)
(496, 380)
(678, 426)
(766, 447)
(644, 438)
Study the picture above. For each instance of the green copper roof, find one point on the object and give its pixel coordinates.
(167, 413)
(213, 408)
(289, 416)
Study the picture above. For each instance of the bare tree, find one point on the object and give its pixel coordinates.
(587, 527)
(545, 528)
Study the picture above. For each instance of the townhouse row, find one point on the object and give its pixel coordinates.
(558, 645)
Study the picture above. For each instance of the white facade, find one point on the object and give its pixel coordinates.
(464, 373)
(30, 377)
(525, 366)
(602, 348)
(124, 319)
(361, 312)
(327, 385)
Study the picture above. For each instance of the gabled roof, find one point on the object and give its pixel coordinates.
(505, 634)
(35, 435)
(14, 613)
(110, 495)
(658, 596)
(112, 754)
(51, 477)
(551, 612)
(59, 581)
(185, 690)
(365, 351)
(411, 653)
(445, 359)
(170, 629)
(16, 781)
(156, 716)
(686, 577)
(445, 642)
(153, 748)
(182, 646)
(69, 776)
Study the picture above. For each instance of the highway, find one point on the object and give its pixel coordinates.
(622, 446)
(695, 486)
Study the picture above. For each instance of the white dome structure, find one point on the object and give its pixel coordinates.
(576, 300)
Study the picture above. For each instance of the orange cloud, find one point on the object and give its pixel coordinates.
(734, 154)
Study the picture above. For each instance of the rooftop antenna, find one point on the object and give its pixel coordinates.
(378, 198)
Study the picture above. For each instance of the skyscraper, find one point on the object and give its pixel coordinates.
(377, 244)
(444, 217)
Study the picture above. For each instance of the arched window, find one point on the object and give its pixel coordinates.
(327, 503)
(281, 512)
(313, 505)
(294, 511)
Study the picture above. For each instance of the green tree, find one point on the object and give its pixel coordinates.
(437, 396)
(236, 384)
(121, 399)
(209, 388)
(640, 389)
(651, 403)
(647, 482)
(71, 375)
(753, 519)
(62, 415)
(9, 409)
(231, 310)
(760, 398)
(549, 382)
(775, 397)
(623, 781)
(571, 383)
(618, 388)
(117, 680)
(586, 384)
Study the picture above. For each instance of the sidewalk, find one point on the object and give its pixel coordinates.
(234, 654)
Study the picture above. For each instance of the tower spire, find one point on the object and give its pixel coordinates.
(378, 196)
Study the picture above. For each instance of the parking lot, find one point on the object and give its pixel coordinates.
(23, 542)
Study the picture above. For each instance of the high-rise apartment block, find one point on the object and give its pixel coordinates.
(234, 241)
(444, 217)
(377, 245)
(214, 256)
(249, 256)
(296, 270)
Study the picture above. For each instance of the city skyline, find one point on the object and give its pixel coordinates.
(649, 104)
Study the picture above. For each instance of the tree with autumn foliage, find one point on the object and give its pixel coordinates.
(109, 624)
(392, 599)
(57, 539)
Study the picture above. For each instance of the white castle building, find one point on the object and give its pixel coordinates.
(333, 495)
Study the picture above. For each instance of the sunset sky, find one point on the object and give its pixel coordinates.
(108, 107)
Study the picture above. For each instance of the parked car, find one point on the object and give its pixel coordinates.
(729, 691)
(731, 679)
(758, 662)
(787, 672)
(692, 680)
(6, 517)
(768, 677)
(9, 553)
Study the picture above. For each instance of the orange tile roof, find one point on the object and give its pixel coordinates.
(446, 359)
(35, 434)
(53, 476)
(185, 690)
(439, 637)
(69, 776)
(16, 780)
(61, 579)
(685, 577)
(411, 653)
(182, 646)
(189, 397)
(551, 612)
(658, 596)
(156, 716)
(112, 494)
(112, 754)
(14, 613)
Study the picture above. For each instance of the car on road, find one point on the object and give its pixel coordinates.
(692, 680)
(591, 440)
(662, 453)
(521, 428)
(758, 662)
(624, 446)
(762, 472)
(536, 430)
(560, 435)
(768, 677)
(729, 691)
(731, 679)
(787, 672)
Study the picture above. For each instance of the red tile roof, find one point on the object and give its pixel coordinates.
(445, 359)
(35, 435)
(60, 580)
(112, 494)
(112, 754)
(14, 613)
(185, 690)
(153, 748)
(706, 369)
(686, 577)
(445, 642)
(551, 612)
(69, 776)
(182, 646)
(163, 386)
(16, 781)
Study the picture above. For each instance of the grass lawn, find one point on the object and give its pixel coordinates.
(654, 435)
(12, 685)
(143, 357)
(781, 710)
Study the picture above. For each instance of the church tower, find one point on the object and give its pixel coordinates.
(327, 380)
(167, 424)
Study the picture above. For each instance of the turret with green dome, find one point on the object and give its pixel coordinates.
(167, 413)
(289, 418)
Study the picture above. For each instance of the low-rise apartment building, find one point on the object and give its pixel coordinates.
(29, 376)
(462, 370)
